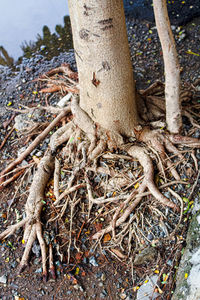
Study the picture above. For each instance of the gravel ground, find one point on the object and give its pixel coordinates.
(98, 275)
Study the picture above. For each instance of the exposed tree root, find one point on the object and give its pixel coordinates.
(84, 141)
(34, 204)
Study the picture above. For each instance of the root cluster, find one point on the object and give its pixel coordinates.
(80, 148)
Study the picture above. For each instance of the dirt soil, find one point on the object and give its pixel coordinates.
(100, 273)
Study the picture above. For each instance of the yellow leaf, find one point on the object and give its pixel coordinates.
(35, 92)
(186, 275)
(9, 103)
(191, 52)
(23, 242)
(156, 271)
(136, 185)
(77, 271)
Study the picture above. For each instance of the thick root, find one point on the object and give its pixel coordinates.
(34, 204)
(146, 162)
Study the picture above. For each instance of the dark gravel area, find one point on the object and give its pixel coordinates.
(97, 275)
(180, 12)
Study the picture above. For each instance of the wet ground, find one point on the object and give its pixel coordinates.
(100, 274)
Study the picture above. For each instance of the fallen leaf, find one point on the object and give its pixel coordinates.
(107, 238)
(98, 226)
(78, 257)
(118, 253)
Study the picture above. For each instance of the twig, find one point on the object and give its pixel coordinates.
(11, 179)
(194, 185)
(32, 146)
(195, 160)
(73, 204)
(56, 179)
(90, 197)
(181, 212)
(6, 137)
(51, 264)
(68, 191)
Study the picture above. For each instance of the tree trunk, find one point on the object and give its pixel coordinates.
(107, 88)
(172, 69)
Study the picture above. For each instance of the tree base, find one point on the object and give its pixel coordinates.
(78, 146)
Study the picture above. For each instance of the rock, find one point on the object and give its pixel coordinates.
(123, 296)
(24, 121)
(3, 279)
(188, 276)
(146, 255)
(146, 291)
(92, 261)
(36, 249)
(39, 154)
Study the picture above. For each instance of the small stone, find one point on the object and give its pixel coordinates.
(102, 296)
(39, 270)
(69, 292)
(182, 36)
(36, 249)
(123, 296)
(13, 264)
(146, 255)
(103, 277)
(147, 289)
(150, 236)
(92, 261)
(98, 275)
(3, 279)
(14, 286)
(39, 154)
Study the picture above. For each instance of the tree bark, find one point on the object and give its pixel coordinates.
(172, 69)
(107, 87)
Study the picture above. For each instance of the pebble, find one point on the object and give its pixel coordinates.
(147, 289)
(39, 153)
(123, 296)
(39, 270)
(3, 279)
(69, 292)
(36, 249)
(93, 262)
(103, 294)
(14, 286)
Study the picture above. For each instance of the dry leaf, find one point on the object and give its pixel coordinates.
(107, 238)
(118, 253)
